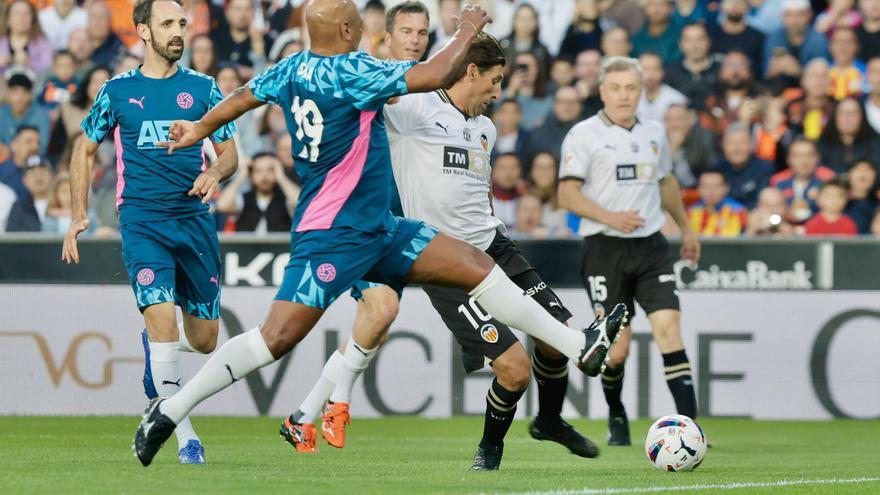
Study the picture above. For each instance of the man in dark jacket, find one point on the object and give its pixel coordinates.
(28, 213)
(746, 173)
(548, 136)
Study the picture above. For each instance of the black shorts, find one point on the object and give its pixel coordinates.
(619, 270)
(483, 338)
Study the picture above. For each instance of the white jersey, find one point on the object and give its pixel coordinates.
(441, 165)
(621, 169)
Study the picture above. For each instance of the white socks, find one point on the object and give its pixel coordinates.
(355, 361)
(235, 359)
(168, 379)
(314, 402)
(506, 301)
(184, 343)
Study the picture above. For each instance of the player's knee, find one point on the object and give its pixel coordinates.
(281, 337)
(547, 351)
(668, 338)
(617, 354)
(383, 311)
(513, 369)
(205, 341)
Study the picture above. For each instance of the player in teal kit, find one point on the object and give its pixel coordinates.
(169, 240)
(343, 231)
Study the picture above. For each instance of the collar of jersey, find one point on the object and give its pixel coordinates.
(446, 99)
(147, 78)
(607, 121)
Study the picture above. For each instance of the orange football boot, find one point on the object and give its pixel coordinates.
(301, 436)
(336, 418)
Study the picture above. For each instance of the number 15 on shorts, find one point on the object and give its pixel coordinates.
(598, 291)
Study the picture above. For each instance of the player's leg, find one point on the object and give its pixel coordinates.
(452, 263)
(324, 264)
(376, 309)
(483, 340)
(550, 366)
(148, 251)
(604, 275)
(655, 292)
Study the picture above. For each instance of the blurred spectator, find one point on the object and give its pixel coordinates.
(586, 69)
(202, 58)
(625, 13)
(800, 182)
(746, 174)
(60, 84)
(59, 19)
(59, 213)
(554, 16)
(584, 33)
(847, 74)
(875, 223)
(562, 73)
(769, 216)
(529, 222)
(506, 177)
(247, 138)
(548, 136)
(121, 13)
(696, 75)
(691, 11)
(656, 96)
(737, 87)
(21, 40)
(7, 199)
(240, 41)
(692, 147)
(439, 36)
(734, 34)
(528, 85)
(840, 14)
(129, 62)
(716, 214)
(848, 137)
(267, 206)
(771, 132)
(659, 34)
(81, 49)
(872, 100)
(107, 47)
(525, 38)
(809, 113)
(869, 31)
(544, 182)
(512, 138)
(831, 220)
(29, 212)
(615, 42)
(373, 26)
(74, 111)
(21, 109)
(765, 15)
(796, 38)
(25, 144)
(862, 179)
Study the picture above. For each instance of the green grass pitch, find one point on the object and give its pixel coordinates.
(414, 455)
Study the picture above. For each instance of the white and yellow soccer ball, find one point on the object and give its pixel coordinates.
(675, 443)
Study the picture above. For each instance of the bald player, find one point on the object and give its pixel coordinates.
(342, 230)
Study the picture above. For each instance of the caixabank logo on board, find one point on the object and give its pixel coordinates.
(754, 275)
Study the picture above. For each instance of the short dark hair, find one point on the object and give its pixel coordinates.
(485, 53)
(61, 53)
(23, 128)
(512, 101)
(715, 171)
(838, 182)
(408, 7)
(143, 10)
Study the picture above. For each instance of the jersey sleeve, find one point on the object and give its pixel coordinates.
(403, 116)
(101, 118)
(664, 158)
(368, 82)
(575, 157)
(227, 131)
(267, 86)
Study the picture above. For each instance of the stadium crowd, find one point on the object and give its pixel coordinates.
(771, 107)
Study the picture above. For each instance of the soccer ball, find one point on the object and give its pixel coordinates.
(675, 443)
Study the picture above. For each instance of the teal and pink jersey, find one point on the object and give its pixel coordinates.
(333, 107)
(151, 184)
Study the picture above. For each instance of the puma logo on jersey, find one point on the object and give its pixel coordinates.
(139, 103)
(444, 127)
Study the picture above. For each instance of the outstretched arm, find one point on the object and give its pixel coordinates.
(433, 74)
(81, 165)
(184, 133)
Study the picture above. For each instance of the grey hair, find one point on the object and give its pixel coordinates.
(619, 64)
(737, 127)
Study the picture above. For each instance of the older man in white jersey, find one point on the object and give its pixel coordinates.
(616, 174)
